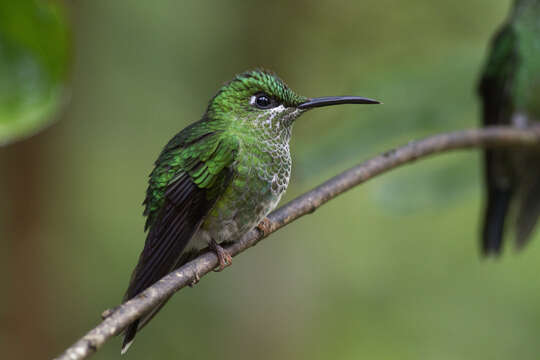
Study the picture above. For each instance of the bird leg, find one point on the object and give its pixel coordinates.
(108, 312)
(265, 226)
(225, 259)
(195, 281)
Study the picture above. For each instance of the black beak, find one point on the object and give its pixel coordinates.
(336, 100)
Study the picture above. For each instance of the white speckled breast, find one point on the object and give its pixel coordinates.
(262, 172)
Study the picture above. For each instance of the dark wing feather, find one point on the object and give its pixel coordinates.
(190, 175)
(528, 211)
(184, 208)
(495, 89)
(167, 238)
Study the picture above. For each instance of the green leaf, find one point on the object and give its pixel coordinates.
(34, 55)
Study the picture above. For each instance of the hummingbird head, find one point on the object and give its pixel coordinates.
(261, 97)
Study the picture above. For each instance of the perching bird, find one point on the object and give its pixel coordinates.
(219, 177)
(510, 93)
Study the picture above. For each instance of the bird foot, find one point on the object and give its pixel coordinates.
(265, 226)
(195, 280)
(225, 259)
(108, 312)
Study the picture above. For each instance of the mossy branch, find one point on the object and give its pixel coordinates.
(115, 320)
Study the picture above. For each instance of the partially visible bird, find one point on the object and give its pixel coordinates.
(219, 177)
(510, 94)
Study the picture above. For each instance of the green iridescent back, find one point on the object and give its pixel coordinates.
(526, 24)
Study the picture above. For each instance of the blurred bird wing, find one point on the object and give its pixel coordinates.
(496, 89)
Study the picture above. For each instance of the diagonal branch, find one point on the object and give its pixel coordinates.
(307, 203)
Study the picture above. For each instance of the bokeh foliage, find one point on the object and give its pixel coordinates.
(34, 53)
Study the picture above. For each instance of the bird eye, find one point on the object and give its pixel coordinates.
(262, 101)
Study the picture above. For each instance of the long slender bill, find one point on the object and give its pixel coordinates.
(336, 100)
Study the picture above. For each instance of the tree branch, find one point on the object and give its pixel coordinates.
(118, 318)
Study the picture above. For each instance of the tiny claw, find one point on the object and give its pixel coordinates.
(195, 280)
(265, 226)
(108, 312)
(224, 258)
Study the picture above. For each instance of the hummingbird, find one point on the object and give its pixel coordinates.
(510, 94)
(219, 177)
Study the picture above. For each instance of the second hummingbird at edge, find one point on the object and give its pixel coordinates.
(510, 94)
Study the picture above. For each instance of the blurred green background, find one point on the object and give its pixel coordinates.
(390, 270)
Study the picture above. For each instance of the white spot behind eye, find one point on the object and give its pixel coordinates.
(252, 100)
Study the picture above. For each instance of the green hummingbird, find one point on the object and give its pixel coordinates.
(510, 94)
(219, 177)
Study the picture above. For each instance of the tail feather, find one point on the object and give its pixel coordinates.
(129, 336)
(528, 214)
(497, 207)
(137, 325)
